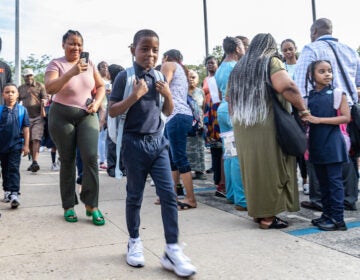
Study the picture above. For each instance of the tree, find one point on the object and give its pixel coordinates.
(217, 52)
(37, 64)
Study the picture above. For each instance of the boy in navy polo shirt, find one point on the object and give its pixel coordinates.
(14, 140)
(145, 150)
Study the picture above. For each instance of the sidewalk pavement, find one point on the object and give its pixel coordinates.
(36, 242)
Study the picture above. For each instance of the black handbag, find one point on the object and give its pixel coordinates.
(290, 133)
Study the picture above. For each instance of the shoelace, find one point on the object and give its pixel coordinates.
(178, 252)
(136, 248)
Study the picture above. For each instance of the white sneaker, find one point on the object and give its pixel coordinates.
(54, 167)
(14, 200)
(6, 196)
(175, 260)
(152, 183)
(306, 189)
(135, 255)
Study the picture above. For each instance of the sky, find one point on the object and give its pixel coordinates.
(108, 26)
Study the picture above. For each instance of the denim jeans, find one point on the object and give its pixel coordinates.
(145, 155)
(176, 131)
(10, 166)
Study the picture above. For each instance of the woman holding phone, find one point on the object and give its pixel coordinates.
(72, 80)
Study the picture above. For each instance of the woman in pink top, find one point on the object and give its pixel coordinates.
(73, 122)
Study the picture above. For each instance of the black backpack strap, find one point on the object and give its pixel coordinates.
(341, 69)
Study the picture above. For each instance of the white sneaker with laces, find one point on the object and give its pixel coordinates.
(175, 260)
(135, 255)
(14, 200)
(306, 189)
(6, 196)
(54, 167)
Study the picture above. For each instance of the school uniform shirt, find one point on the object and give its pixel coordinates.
(143, 117)
(326, 142)
(11, 135)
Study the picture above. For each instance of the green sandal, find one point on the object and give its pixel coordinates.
(88, 213)
(97, 218)
(70, 216)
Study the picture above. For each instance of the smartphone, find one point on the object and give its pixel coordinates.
(88, 101)
(84, 57)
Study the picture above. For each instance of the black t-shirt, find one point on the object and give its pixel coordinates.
(5, 77)
(143, 117)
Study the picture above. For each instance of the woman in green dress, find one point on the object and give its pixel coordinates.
(269, 176)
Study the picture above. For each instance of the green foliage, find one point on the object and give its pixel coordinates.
(217, 52)
(37, 64)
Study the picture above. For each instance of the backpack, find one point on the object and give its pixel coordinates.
(21, 110)
(196, 124)
(116, 125)
(354, 130)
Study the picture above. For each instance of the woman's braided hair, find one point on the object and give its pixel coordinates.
(247, 88)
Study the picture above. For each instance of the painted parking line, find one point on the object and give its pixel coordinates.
(200, 189)
(312, 230)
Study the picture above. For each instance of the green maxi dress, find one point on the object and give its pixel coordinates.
(269, 176)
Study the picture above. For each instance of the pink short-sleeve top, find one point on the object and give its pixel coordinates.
(75, 92)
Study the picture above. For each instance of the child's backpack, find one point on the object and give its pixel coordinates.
(116, 125)
(21, 110)
(197, 125)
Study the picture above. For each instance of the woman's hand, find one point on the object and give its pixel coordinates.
(78, 68)
(93, 107)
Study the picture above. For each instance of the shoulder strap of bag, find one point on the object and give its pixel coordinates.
(130, 77)
(341, 69)
(21, 114)
(160, 77)
(21, 111)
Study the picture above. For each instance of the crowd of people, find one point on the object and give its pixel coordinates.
(230, 113)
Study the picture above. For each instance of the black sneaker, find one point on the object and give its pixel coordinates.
(209, 171)
(320, 220)
(35, 167)
(332, 225)
(30, 167)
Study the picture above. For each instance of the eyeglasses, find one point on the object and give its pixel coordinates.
(288, 49)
